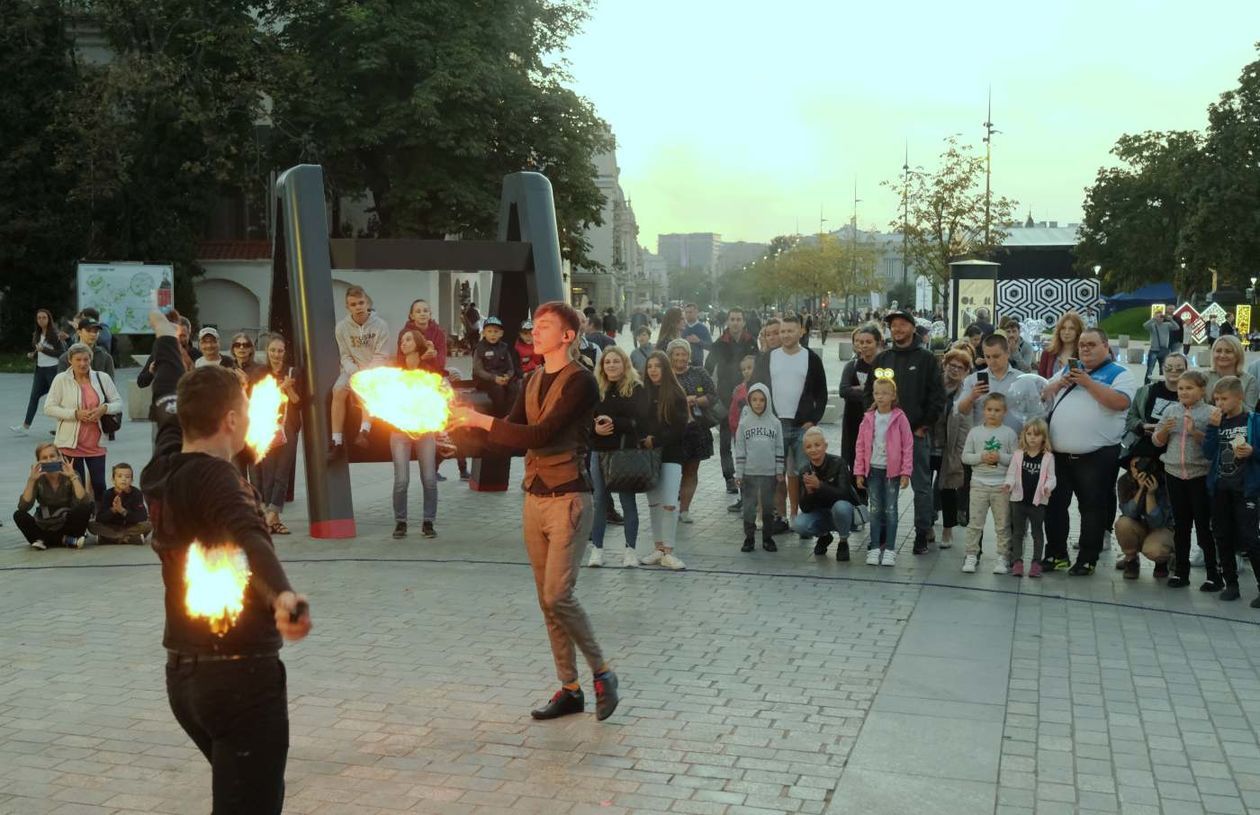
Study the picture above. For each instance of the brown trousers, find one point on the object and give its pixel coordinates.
(556, 529)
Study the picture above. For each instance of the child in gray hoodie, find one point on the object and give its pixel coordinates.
(758, 451)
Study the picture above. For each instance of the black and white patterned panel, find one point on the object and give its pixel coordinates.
(1046, 299)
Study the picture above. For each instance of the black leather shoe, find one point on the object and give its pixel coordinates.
(1081, 569)
(769, 545)
(748, 546)
(605, 695)
(565, 703)
(820, 545)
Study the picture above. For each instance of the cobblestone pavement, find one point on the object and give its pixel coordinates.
(752, 684)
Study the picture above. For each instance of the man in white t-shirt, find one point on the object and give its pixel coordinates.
(798, 391)
(1088, 406)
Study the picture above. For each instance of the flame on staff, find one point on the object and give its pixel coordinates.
(266, 403)
(215, 579)
(415, 402)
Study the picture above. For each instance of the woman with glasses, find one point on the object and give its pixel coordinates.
(243, 354)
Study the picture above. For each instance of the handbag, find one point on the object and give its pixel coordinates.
(629, 469)
(110, 422)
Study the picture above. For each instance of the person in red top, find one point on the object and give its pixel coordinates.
(525, 348)
(420, 318)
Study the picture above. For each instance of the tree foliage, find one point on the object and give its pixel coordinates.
(1183, 205)
(795, 267)
(427, 104)
(947, 212)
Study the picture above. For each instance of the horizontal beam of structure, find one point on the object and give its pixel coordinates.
(421, 255)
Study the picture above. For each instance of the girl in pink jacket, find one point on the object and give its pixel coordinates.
(1030, 480)
(885, 458)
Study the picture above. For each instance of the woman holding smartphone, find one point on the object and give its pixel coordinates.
(57, 495)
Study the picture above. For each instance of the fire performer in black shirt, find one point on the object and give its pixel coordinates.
(224, 677)
(551, 421)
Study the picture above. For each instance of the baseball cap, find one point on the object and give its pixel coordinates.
(494, 321)
(528, 325)
(208, 331)
(899, 314)
(89, 322)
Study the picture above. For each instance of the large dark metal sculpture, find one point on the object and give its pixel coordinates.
(527, 271)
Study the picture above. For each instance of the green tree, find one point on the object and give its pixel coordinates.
(1222, 232)
(166, 126)
(947, 213)
(691, 286)
(1135, 214)
(427, 104)
(40, 235)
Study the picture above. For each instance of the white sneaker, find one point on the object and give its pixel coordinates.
(1001, 567)
(969, 564)
(629, 560)
(889, 558)
(40, 545)
(597, 559)
(671, 562)
(80, 541)
(19, 429)
(653, 559)
(943, 543)
(684, 518)
(872, 557)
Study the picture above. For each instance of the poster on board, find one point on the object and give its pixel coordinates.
(124, 293)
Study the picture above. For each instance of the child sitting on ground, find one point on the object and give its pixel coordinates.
(988, 452)
(758, 448)
(123, 517)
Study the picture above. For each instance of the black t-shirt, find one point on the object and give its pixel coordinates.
(1159, 397)
(1031, 475)
(1229, 469)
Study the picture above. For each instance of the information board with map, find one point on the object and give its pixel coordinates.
(124, 293)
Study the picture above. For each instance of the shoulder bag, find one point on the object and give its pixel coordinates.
(629, 469)
(110, 422)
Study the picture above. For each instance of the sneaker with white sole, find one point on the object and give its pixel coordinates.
(653, 559)
(685, 518)
(889, 558)
(872, 557)
(629, 560)
(671, 562)
(1001, 567)
(21, 431)
(39, 544)
(597, 559)
(970, 563)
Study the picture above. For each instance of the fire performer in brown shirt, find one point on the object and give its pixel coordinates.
(551, 421)
(224, 678)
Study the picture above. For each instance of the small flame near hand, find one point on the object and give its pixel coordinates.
(415, 402)
(215, 578)
(266, 403)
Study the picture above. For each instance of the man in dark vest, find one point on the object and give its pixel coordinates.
(552, 420)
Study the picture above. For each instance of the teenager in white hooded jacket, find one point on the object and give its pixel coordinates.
(758, 448)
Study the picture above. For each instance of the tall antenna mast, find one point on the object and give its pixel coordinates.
(905, 216)
(989, 130)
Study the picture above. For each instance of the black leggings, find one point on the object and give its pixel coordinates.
(39, 387)
(947, 502)
(73, 526)
(1191, 504)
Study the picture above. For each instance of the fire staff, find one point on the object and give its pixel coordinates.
(224, 678)
(551, 421)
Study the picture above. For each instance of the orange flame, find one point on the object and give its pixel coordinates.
(215, 579)
(266, 403)
(415, 402)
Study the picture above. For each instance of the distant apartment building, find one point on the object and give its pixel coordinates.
(690, 250)
(734, 254)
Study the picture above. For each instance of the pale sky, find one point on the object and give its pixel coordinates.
(741, 117)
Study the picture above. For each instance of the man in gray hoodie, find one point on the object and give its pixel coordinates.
(758, 448)
(1161, 329)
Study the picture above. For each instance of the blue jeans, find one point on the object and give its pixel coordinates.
(400, 449)
(882, 492)
(821, 521)
(793, 451)
(629, 509)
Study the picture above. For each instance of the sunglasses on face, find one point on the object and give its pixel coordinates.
(242, 345)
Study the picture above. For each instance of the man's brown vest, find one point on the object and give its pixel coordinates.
(560, 462)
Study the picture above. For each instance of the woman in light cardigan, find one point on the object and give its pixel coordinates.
(77, 399)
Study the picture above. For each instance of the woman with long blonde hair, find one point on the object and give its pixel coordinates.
(1228, 358)
(621, 421)
(1062, 345)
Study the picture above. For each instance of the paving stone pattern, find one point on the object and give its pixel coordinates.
(753, 684)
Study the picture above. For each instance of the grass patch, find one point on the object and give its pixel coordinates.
(15, 362)
(1129, 321)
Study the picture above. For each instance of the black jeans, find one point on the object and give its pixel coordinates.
(1234, 519)
(1191, 504)
(724, 446)
(91, 471)
(39, 387)
(1091, 477)
(237, 713)
(74, 525)
(946, 502)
